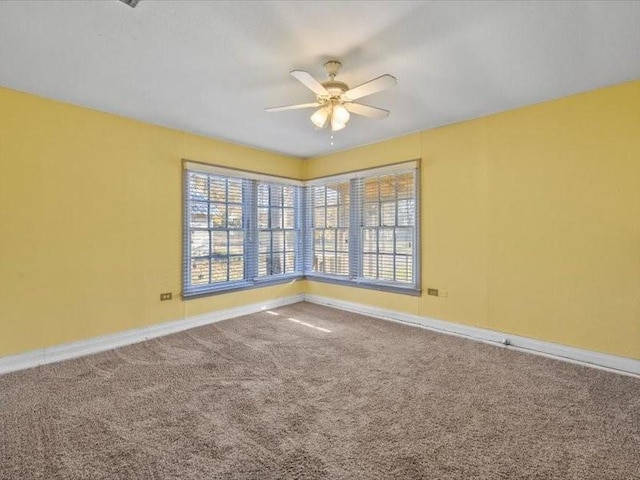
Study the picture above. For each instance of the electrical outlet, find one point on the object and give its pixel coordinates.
(432, 291)
(443, 293)
(165, 296)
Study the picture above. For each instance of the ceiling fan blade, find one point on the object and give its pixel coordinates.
(308, 81)
(292, 107)
(372, 86)
(366, 110)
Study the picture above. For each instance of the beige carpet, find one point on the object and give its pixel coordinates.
(266, 397)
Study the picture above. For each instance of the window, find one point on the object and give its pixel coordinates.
(330, 220)
(277, 233)
(363, 228)
(245, 229)
(240, 229)
(388, 227)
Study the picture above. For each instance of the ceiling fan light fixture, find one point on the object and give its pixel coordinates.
(335, 126)
(340, 114)
(320, 116)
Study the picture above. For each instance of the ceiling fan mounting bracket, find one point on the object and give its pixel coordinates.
(332, 67)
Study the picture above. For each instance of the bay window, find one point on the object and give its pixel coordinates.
(244, 229)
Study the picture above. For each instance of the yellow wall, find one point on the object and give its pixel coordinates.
(530, 220)
(90, 222)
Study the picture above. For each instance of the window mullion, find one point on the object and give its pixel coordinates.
(415, 250)
(304, 229)
(226, 224)
(355, 228)
(250, 226)
(379, 231)
(395, 227)
(210, 229)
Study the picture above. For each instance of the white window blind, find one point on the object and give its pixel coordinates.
(239, 229)
(216, 235)
(278, 229)
(388, 227)
(329, 220)
(362, 227)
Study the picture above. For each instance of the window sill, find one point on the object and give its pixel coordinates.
(236, 287)
(384, 287)
(290, 278)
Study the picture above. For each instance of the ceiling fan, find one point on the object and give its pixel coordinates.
(336, 99)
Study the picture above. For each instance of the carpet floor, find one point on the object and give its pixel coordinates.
(310, 392)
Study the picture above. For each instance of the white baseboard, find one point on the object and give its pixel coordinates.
(81, 348)
(623, 365)
(107, 342)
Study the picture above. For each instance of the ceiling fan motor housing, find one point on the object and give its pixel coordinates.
(335, 89)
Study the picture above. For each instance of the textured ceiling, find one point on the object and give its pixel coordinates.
(212, 67)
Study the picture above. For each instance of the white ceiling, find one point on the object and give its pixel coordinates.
(212, 67)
